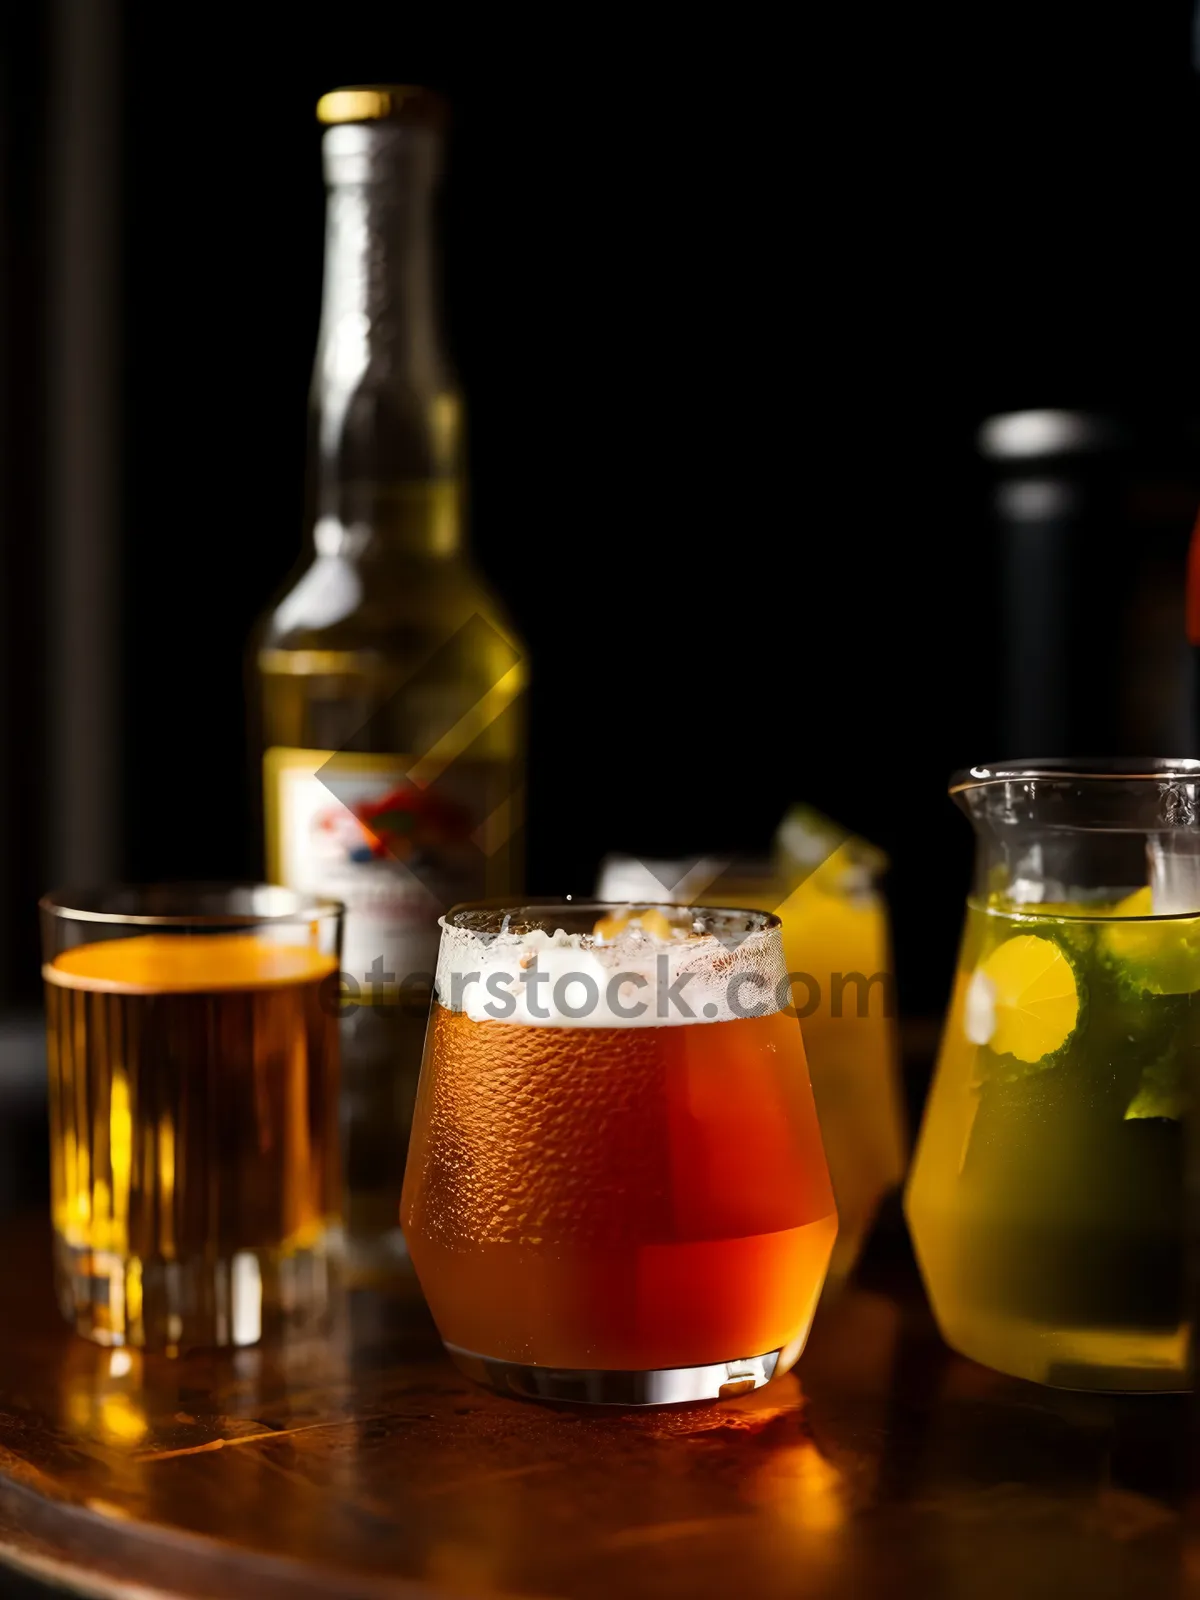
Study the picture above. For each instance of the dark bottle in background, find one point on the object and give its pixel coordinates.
(1192, 623)
(1091, 514)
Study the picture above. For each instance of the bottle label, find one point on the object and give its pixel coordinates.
(361, 829)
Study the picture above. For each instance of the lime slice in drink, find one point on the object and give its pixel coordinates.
(1138, 904)
(1023, 1000)
(1160, 956)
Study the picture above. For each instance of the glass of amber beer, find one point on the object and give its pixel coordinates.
(192, 1038)
(616, 1190)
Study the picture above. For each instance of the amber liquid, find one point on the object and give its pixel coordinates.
(194, 1139)
(624, 1199)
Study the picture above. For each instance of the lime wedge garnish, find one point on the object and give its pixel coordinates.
(1024, 1000)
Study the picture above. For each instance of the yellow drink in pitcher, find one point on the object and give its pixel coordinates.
(1045, 1198)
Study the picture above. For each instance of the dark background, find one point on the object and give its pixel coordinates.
(729, 305)
(728, 312)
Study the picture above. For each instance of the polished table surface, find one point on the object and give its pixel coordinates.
(886, 1465)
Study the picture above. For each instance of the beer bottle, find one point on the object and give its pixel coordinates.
(386, 684)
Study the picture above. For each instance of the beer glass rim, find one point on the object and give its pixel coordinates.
(1078, 769)
(241, 904)
(475, 915)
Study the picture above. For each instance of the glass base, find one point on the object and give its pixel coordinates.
(1102, 1360)
(666, 1386)
(171, 1306)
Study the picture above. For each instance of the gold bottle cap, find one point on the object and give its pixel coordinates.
(384, 102)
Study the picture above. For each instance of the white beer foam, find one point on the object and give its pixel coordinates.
(594, 983)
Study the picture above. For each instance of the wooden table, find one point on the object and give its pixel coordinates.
(888, 1466)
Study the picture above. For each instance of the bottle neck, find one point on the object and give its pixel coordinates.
(386, 417)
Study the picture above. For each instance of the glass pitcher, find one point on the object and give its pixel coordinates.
(1046, 1196)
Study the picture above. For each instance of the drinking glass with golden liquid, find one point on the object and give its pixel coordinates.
(192, 1037)
(616, 1190)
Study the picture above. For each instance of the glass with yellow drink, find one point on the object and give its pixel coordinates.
(824, 887)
